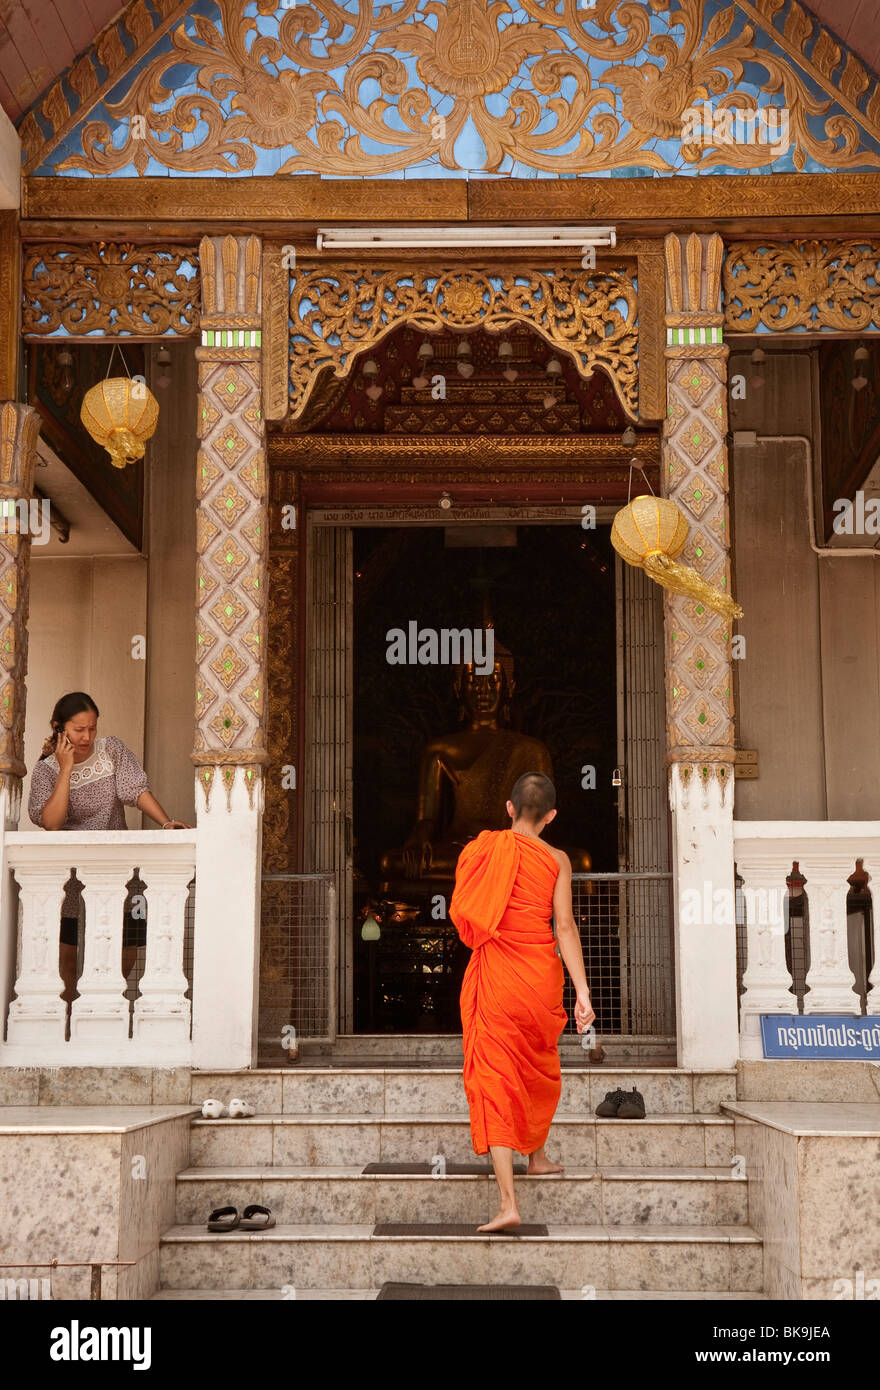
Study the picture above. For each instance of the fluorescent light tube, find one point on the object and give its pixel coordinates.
(461, 236)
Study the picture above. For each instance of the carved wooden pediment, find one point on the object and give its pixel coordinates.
(488, 87)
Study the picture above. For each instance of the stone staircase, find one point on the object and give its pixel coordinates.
(649, 1208)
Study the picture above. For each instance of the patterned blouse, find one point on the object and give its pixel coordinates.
(109, 779)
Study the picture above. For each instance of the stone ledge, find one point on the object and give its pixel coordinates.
(85, 1119)
(819, 1119)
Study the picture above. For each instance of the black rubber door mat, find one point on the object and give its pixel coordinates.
(428, 1170)
(485, 1293)
(439, 1228)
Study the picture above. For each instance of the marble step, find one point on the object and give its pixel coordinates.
(405, 1090)
(369, 1295)
(582, 1141)
(655, 1049)
(597, 1196)
(289, 1258)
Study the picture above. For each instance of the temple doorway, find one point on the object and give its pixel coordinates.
(407, 758)
(442, 486)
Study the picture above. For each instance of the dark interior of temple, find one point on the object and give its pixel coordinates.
(548, 590)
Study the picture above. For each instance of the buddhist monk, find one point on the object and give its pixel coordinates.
(507, 884)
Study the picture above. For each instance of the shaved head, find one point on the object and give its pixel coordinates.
(533, 797)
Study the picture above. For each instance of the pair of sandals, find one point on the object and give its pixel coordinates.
(253, 1218)
(236, 1110)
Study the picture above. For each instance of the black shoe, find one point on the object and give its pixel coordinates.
(608, 1108)
(632, 1106)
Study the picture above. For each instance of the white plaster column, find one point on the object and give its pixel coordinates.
(227, 938)
(705, 918)
(766, 979)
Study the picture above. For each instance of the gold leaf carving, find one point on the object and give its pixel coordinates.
(115, 287)
(802, 285)
(340, 313)
(629, 72)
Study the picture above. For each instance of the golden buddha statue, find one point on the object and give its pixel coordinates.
(474, 770)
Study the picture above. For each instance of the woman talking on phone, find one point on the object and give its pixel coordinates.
(83, 782)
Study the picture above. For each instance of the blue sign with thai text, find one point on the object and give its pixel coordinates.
(821, 1035)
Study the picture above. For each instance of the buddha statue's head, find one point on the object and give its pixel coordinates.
(486, 698)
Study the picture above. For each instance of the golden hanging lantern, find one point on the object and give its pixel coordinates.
(650, 533)
(120, 414)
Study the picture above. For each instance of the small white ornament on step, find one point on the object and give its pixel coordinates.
(240, 1110)
(213, 1110)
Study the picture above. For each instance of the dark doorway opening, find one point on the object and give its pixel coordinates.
(549, 593)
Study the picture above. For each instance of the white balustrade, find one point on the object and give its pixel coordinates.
(826, 852)
(99, 1022)
(162, 1012)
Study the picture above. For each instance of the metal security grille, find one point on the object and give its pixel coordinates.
(631, 992)
(300, 916)
(637, 902)
(327, 774)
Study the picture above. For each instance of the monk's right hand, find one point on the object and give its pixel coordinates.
(584, 1013)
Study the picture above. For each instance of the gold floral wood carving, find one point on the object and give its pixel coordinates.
(339, 313)
(122, 44)
(371, 89)
(114, 287)
(812, 285)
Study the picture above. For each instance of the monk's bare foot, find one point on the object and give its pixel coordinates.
(506, 1220)
(542, 1166)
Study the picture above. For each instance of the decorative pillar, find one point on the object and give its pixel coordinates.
(230, 745)
(699, 703)
(19, 431)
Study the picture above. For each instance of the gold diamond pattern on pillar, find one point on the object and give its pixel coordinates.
(699, 694)
(19, 430)
(231, 475)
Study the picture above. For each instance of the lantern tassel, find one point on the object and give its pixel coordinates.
(681, 579)
(123, 447)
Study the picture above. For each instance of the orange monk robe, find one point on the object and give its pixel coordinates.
(511, 996)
